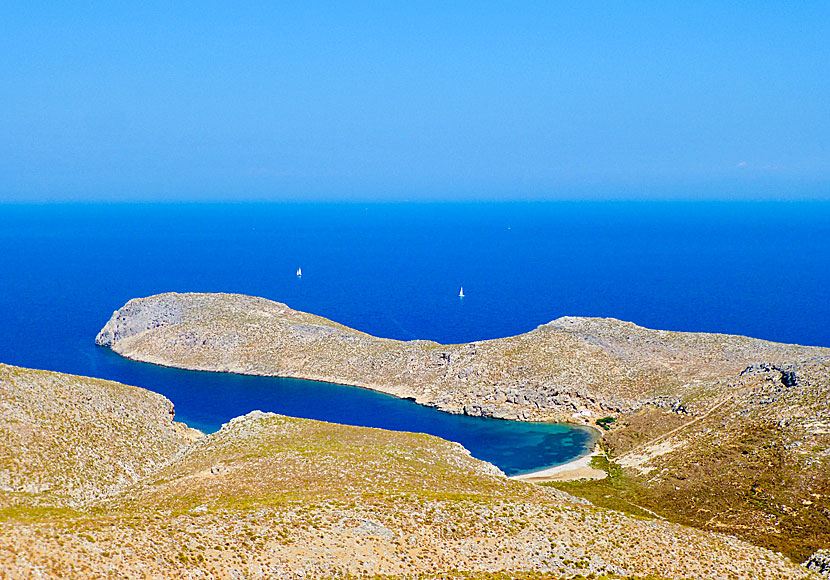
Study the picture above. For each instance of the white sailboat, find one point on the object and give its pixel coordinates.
(461, 292)
(299, 272)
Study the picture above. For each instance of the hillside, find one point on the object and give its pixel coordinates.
(571, 365)
(754, 464)
(65, 441)
(275, 497)
(726, 433)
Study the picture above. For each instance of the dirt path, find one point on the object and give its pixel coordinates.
(652, 442)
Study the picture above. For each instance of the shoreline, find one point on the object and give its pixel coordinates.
(578, 465)
(579, 468)
(398, 391)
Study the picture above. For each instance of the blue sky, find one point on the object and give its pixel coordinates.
(450, 100)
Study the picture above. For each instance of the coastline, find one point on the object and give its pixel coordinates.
(579, 468)
(397, 391)
(554, 373)
(582, 423)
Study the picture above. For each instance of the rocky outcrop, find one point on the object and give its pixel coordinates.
(137, 317)
(819, 562)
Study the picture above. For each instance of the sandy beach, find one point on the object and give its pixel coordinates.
(579, 468)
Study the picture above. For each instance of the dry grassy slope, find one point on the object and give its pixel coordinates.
(600, 366)
(66, 440)
(701, 441)
(756, 465)
(275, 497)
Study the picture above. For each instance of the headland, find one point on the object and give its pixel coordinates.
(726, 433)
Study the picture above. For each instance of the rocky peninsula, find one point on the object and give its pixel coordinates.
(97, 480)
(571, 369)
(726, 433)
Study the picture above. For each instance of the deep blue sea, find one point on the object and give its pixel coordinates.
(394, 270)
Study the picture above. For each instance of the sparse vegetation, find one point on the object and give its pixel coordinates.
(725, 433)
(274, 495)
(592, 364)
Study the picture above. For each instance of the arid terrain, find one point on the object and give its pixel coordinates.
(98, 481)
(725, 433)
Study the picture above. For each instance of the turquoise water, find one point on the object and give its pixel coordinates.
(394, 270)
(205, 399)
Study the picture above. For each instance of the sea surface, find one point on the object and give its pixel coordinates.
(395, 270)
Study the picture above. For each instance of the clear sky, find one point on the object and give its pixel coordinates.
(414, 100)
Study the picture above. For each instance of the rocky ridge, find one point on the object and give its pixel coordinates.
(270, 496)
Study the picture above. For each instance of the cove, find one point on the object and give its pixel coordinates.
(394, 270)
(205, 400)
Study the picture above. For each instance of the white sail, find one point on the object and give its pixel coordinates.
(461, 292)
(299, 272)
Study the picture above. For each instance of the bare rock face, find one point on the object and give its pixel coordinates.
(819, 562)
(138, 316)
